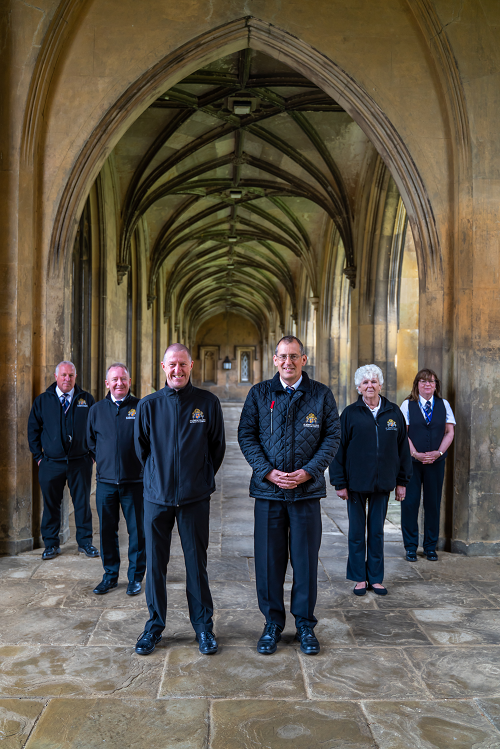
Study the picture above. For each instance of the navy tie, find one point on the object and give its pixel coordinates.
(117, 405)
(65, 403)
(428, 411)
(290, 390)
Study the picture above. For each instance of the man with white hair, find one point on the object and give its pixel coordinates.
(57, 429)
(179, 439)
(110, 435)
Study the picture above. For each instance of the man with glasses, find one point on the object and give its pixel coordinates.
(57, 427)
(289, 433)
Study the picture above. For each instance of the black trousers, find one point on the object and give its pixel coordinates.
(109, 499)
(283, 530)
(53, 475)
(192, 524)
(366, 536)
(431, 477)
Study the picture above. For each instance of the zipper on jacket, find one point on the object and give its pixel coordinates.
(117, 453)
(176, 453)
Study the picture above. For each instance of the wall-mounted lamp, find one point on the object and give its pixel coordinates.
(226, 364)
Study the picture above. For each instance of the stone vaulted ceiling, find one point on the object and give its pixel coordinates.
(238, 173)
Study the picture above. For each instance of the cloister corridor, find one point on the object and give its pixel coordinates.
(417, 669)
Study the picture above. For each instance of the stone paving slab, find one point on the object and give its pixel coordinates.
(16, 594)
(361, 673)
(48, 626)
(385, 628)
(17, 718)
(232, 673)
(430, 725)
(250, 724)
(44, 671)
(458, 672)
(433, 594)
(130, 724)
(490, 708)
(456, 626)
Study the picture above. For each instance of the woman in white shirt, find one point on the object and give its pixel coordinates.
(431, 429)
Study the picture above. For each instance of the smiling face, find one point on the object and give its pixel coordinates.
(289, 362)
(427, 388)
(118, 382)
(177, 366)
(65, 378)
(370, 388)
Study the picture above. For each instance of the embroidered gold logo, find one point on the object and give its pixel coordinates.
(391, 425)
(82, 402)
(311, 421)
(131, 414)
(197, 417)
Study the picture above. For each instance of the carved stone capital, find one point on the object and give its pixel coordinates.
(350, 272)
(121, 271)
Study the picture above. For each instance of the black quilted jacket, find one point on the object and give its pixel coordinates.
(304, 433)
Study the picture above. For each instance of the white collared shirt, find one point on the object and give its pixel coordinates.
(294, 386)
(450, 418)
(69, 396)
(115, 399)
(374, 411)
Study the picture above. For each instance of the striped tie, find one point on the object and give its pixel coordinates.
(117, 405)
(290, 390)
(65, 403)
(428, 411)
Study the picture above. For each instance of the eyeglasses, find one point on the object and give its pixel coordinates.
(431, 382)
(284, 357)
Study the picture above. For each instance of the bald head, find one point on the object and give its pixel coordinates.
(177, 348)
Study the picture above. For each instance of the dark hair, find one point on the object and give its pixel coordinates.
(425, 374)
(177, 347)
(290, 339)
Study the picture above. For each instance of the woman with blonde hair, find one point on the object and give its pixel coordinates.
(431, 429)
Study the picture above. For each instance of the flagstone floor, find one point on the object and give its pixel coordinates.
(418, 668)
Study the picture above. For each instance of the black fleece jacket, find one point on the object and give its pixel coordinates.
(56, 435)
(299, 431)
(110, 436)
(179, 439)
(374, 455)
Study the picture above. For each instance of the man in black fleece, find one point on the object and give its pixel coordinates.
(110, 435)
(57, 427)
(179, 439)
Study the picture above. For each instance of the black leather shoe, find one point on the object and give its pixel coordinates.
(431, 556)
(147, 642)
(134, 588)
(89, 550)
(359, 591)
(379, 591)
(105, 586)
(308, 641)
(269, 639)
(411, 556)
(208, 643)
(51, 552)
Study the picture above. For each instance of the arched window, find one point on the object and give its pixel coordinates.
(245, 366)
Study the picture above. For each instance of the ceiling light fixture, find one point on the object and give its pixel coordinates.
(235, 194)
(232, 239)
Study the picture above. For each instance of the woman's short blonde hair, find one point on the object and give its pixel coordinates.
(369, 370)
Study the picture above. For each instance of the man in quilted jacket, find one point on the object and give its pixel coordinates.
(289, 432)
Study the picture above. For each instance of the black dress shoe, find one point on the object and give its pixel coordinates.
(134, 588)
(105, 586)
(431, 556)
(269, 639)
(147, 642)
(411, 556)
(208, 643)
(379, 591)
(359, 591)
(51, 552)
(308, 641)
(89, 550)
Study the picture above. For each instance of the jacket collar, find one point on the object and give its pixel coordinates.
(184, 392)
(52, 389)
(385, 405)
(110, 399)
(277, 387)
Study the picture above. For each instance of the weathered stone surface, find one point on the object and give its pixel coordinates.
(456, 567)
(233, 672)
(17, 718)
(357, 673)
(430, 725)
(463, 672)
(18, 593)
(433, 595)
(36, 671)
(384, 628)
(122, 627)
(275, 724)
(460, 626)
(47, 626)
(88, 723)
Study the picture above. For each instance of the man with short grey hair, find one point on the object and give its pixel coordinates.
(179, 438)
(57, 427)
(289, 432)
(110, 435)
